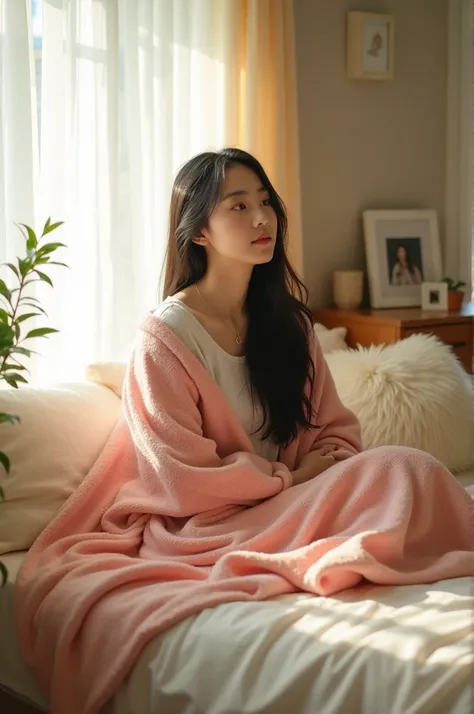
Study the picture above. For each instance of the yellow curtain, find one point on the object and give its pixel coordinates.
(261, 101)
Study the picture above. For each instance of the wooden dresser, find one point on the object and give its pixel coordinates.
(374, 327)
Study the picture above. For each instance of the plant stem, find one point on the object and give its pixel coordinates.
(13, 316)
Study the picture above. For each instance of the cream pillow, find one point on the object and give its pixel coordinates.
(108, 374)
(412, 393)
(62, 432)
(331, 339)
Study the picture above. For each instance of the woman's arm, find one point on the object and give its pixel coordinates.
(177, 463)
(337, 430)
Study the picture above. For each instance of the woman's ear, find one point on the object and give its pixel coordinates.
(200, 239)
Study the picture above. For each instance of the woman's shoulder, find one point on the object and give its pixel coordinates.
(174, 311)
(177, 314)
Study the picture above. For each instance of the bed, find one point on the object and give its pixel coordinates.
(372, 649)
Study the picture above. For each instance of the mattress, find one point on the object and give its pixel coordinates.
(372, 649)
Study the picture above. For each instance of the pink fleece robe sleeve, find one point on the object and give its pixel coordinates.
(338, 430)
(177, 463)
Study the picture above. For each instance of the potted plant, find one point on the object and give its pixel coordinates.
(455, 293)
(17, 307)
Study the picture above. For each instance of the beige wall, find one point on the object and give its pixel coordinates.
(366, 144)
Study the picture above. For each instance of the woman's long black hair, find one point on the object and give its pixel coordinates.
(409, 264)
(277, 351)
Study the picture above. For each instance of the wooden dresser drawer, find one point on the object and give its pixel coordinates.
(457, 336)
(376, 327)
(460, 337)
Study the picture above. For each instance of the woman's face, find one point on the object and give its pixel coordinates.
(243, 225)
(402, 254)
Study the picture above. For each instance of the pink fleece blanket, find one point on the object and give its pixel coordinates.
(179, 514)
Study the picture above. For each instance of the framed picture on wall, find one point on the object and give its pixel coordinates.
(402, 251)
(370, 46)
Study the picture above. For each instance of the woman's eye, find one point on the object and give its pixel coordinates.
(238, 207)
(266, 202)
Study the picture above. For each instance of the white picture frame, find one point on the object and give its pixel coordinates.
(434, 296)
(402, 251)
(370, 50)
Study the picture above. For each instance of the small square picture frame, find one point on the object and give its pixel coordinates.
(434, 296)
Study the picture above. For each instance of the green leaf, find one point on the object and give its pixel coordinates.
(14, 269)
(31, 299)
(10, 418)
(27, 316)
(55, 262)
(49, 248)
(5, 461)
(51, 227)
(5, 347)
(17, 350)
(25, 301)
(44, 277)
(3, 574)
(11, 365)
(40, 332)
(13, 378)
(24, 265)
(4, 316)
(6, 334)
(32, 241)
(17, 331)
(4, 290)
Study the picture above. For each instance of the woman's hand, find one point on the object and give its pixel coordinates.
(312, 465)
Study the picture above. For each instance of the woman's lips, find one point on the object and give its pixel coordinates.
(264, 240)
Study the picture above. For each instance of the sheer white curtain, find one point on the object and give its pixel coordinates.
(131, 90)
(18, 127)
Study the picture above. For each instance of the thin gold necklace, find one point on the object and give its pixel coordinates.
(238, 338)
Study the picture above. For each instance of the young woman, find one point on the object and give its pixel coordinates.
(236, 472)
(405, 272)
(234, 300)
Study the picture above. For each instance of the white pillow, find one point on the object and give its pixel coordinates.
(61, 433)
(412, 393)
(331, 339)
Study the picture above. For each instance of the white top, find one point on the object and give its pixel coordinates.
(227, 370)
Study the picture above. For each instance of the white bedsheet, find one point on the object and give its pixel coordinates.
(404, 650)
(13, 673)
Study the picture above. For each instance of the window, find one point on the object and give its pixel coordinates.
(37, 28)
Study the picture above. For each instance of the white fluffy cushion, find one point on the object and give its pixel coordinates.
(62, 432)
(412, 393)
(331, 339)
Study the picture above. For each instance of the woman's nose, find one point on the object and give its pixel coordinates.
(260, 219)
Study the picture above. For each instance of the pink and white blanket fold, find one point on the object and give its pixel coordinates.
(179, 514)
